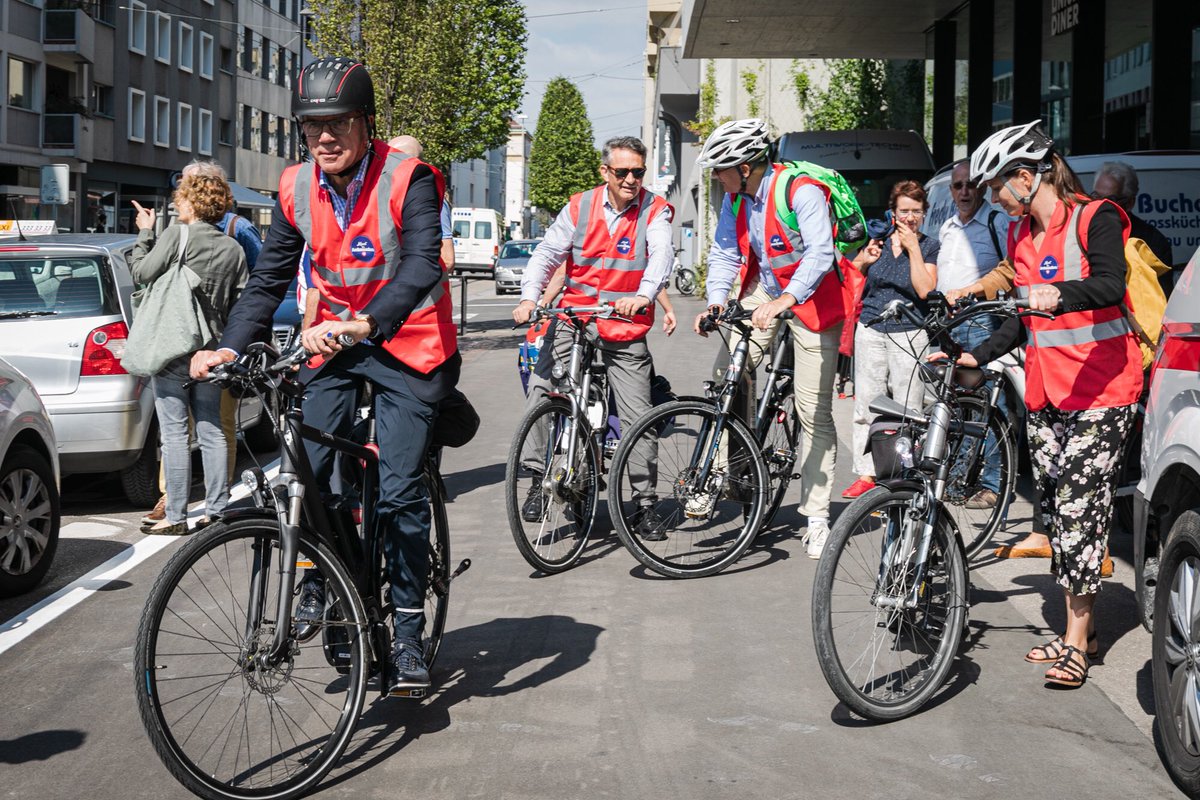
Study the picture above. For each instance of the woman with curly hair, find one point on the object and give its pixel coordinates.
(201, 202)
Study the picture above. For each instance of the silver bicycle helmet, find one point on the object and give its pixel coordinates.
(734, 143)
(1010, 147)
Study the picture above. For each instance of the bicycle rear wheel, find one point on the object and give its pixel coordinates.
(227, 721)
(551, 506)
(780, 452)
(437, 593)
(882, 660)
(685, 281)
(696, 529)
(983, 464)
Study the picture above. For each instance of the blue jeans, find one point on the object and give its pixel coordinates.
(970, 336)
(172, 403)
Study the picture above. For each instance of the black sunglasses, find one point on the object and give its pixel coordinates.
(622, 172)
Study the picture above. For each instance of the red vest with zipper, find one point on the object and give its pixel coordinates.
(349, 267)
(1080, 359)
(825, 307)
(603, 267)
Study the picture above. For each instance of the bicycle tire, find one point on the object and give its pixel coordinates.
(198, 606)
(556, 542)
(693, 546)
(437, 591)
(978, 526)
(685, 281)
(853, 561)
(779, 453)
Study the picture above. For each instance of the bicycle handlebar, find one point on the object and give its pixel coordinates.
(733, 314)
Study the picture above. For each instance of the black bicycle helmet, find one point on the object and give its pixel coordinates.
(330, 86)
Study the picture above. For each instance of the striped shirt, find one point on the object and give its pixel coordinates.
(343, 207)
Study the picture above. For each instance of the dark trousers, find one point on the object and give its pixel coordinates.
(403, 423)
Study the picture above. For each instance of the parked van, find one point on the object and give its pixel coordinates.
(478, 233)
(1168, 194)
(872, 161)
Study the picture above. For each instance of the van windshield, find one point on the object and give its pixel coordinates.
(63, 286)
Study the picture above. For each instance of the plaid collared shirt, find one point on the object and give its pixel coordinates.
(343, 207)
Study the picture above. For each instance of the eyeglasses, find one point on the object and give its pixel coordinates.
(958, 186)
(622, 172)
(338, 127)
(910, 214)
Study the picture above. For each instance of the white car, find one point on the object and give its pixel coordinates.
(29, 499)
(1167, 530)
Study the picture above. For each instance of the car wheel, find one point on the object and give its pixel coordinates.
(264, 436)
(140, 481)
(1176, 655)
(29, 520)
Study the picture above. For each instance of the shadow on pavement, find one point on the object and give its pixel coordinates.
(40, 746)
(468, 480)
(473, 662)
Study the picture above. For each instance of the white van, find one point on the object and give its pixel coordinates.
(478, 233)
(1168, 194)
(871, 161)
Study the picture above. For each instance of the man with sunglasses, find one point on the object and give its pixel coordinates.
(615, 241)
(369, 218)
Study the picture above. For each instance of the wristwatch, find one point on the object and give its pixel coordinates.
(367, 318)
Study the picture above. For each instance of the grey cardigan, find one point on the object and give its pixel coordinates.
(218, 259)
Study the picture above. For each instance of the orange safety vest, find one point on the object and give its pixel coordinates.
(1080, 359)
(349, 267)
(825, 307)
(603, 267)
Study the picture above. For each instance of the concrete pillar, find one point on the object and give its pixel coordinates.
(980, 66)
(1171, 26)
(944, 53)
(1027, 60)
(1087, 80)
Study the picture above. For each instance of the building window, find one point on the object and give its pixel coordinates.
(206, 55)
(20, 83)
(256, 59)
(187, 47)
(137, 115)
(204, 133)
(162, 122)
(184, 124)
(225, 132)
(264, 140)
(102, 100)
(137, 27)
(162, 38)
(272, 63)
(227, 60)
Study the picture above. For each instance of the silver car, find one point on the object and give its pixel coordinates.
(29, 499)
(65, 308)
(510, 263)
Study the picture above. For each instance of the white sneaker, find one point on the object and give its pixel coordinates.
(817, 533)
(699, 506)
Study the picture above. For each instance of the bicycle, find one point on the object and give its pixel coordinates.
(564, 488)
(685, 277)
(892, 581)
(236, 702)
(717, 480)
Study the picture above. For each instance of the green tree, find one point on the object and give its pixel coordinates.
(753, 94)
(450, 72)
(563, 159)
(862, 93)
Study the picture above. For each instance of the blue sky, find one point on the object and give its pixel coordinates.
(601, 52)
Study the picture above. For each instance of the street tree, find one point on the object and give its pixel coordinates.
(450, 72)
(563, 160)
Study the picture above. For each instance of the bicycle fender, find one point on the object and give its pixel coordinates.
(249, 512)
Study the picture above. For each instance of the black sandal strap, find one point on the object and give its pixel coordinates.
(1066, 663)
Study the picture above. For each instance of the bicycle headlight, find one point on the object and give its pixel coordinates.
(903, 446)
(558, 371)
(253, 480)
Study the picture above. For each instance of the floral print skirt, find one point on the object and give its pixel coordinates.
(1075, 457)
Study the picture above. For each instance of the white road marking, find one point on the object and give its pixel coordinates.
(88, 530)
(36, 617)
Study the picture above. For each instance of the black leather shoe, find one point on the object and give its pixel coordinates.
(310, 606)
(534, 507)
(408, 674)
(649, 525)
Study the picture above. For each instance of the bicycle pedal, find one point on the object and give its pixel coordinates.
(409, 694)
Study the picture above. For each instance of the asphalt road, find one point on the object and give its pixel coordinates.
(605, 681)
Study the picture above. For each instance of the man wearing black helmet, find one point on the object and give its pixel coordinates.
(369, 218)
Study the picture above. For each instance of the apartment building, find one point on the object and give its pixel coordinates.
(127, 93)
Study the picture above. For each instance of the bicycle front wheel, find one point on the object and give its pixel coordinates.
(982, 467)
(884, 640)
(228, 719)
(676, 516)
(685, 282)
(437, 592)
(551, 488)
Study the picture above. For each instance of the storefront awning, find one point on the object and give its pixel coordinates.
(248, 198)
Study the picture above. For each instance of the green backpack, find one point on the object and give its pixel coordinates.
(849, 224)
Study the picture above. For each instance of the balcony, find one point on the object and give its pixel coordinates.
(69, 31)
(66, 135)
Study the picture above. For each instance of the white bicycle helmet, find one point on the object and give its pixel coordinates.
(1010, 147)
(735, 143)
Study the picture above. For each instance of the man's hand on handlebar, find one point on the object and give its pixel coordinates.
(628, 306)
(322, 339)
(712, 313)
(523, 312)
(764, 316)
(965, 360)
(204, 360)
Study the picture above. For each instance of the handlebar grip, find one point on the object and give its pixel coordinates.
(346, 340)
(786, 314)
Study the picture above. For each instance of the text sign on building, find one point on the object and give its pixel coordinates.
(56, 184)
(1064, 16)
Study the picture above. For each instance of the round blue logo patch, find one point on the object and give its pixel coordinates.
(1048, 268)
(624, 245)
(777, 243)
(362, 248)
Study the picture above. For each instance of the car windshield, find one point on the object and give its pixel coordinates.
(518, 250)
(62, 286)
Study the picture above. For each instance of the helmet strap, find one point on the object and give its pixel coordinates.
(1025, 200)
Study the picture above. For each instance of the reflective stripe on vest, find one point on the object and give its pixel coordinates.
(640, 256)
(1068, 337)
